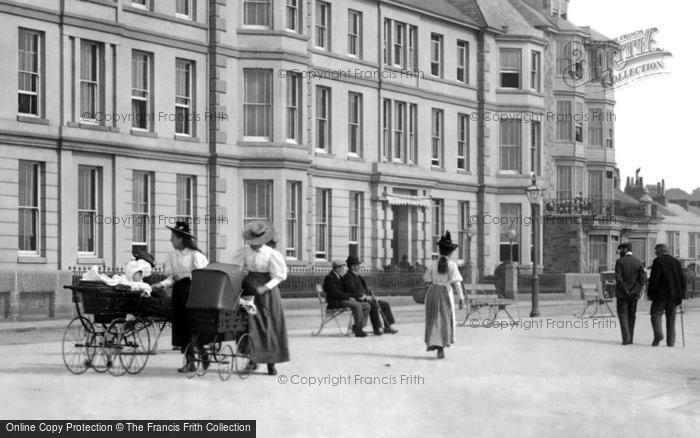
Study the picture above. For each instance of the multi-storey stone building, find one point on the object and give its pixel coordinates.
(363, 127)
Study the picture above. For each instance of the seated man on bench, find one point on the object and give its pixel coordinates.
(337, 298)
(356, 287)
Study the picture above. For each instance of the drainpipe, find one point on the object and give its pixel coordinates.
(481, 151)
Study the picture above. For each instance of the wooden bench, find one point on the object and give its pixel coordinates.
(591, 296)
(332, 314)
(479, 296)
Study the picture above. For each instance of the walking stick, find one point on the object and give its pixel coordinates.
(682, 326)
(374, 298)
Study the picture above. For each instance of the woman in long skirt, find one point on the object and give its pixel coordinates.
(444, 278)
(178, 267)
(266, 270)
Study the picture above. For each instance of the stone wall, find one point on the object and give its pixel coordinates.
(28, 295)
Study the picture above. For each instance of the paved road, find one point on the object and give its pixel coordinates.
(552, 377)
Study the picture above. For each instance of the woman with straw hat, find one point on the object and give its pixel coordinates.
(444, 278)
(179, 265)
(266, 270)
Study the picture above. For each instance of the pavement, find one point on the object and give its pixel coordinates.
(552, 376)
(308, 308)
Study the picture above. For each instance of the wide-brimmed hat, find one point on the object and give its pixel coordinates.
(337, 263)
(445, 242)
(182, 228)
(353, 260)
(258, 232)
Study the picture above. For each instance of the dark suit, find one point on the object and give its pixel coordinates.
(356, 287)
(667, 289)
(337, 298)
(630, 278)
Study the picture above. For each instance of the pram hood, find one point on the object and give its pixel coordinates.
(218, 286)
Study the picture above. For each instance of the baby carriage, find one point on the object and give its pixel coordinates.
(216, 316)
(101, 337)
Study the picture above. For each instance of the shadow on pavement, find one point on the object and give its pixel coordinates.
(591, 341)
(394, 356)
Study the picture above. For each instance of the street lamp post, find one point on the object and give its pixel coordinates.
(534, 196)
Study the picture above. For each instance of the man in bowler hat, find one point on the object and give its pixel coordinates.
(356, 287)
(667, 289)
(630, 278)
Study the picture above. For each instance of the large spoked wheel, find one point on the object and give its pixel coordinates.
(98, 355)
(137, 347)
(155, 328)
(243, 357)
(224, 358)
(192, 352)
(75, 345)
(116, 342)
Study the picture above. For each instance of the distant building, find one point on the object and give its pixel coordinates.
(357, 127)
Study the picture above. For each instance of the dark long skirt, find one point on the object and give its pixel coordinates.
(439, 327)
(180, 322)
(267, 328)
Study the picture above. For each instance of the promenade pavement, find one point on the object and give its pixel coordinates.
(553, 376)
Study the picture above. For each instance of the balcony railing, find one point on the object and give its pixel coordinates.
(592, 207)
(579, 206)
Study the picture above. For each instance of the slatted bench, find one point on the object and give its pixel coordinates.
(591, 296)
(332, 314)
(479, 296)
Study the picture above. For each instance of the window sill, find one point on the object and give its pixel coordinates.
(325, 154)
(356, 158)
(92, 126)
(510, 174)
(505, 90)
(256, 140)
(264, 30)
(437, 169)
(90, 260)
(141, 133)
(293, 261)
(131, 7)
(110, 3)
(28, 259)
(463, 172)
(186, 138)
(33, 119)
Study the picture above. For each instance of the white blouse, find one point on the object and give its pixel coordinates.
(450, 277)
(264, 259)
(180, 263)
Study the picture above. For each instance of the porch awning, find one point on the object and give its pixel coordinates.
(412, 201)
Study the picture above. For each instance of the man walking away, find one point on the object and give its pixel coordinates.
(630, 278)
(667, 289)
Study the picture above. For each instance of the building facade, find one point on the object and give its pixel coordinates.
(360, 127)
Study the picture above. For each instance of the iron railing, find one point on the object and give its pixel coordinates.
(593, 207)
(301, 281)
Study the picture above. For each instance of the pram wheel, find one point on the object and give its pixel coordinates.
(116, 341)
(225, 358)
(137, 345)
(74, 348)
(243, 358)
(98, 356)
